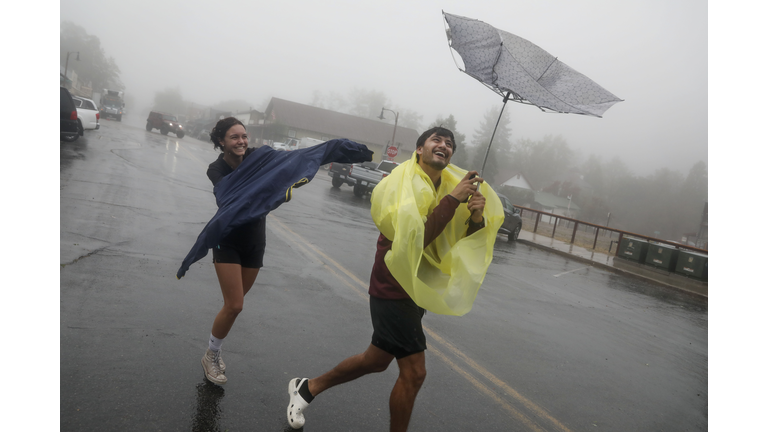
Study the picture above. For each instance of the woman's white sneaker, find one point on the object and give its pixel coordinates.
(211, 367)
(222, 366)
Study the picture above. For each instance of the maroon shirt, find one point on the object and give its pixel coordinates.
(383, 284)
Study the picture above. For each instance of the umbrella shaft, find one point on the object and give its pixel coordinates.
(488, 150)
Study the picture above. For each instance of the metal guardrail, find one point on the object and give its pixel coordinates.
(597, 227)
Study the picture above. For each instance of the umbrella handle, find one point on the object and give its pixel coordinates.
(470, 195)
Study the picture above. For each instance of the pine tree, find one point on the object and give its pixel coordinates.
(94, 66)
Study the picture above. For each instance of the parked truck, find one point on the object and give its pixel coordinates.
(309, 142)
(295, 144)
(111, 104)
(339, 173)
(363, 177)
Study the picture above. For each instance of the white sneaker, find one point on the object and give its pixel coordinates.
(297, 404)
(211, 368)
(222, 366)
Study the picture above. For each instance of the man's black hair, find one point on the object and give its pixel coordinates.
(439, 131)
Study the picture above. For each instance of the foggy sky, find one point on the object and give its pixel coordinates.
(651, 53)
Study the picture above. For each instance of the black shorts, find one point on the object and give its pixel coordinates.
(397, 327)
(244, 245)
(251, 256)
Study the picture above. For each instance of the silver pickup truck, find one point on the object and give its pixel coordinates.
(363, 177)
(368, 174)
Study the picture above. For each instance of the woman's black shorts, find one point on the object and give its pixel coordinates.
(397, 327)
(244, 245)
(251, 257)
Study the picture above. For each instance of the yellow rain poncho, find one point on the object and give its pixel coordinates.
(443, 278)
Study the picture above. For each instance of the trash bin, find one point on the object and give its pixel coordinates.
(633, 249)
(693, 265)
(662, 257)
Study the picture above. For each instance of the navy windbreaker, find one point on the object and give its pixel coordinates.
(263, 181)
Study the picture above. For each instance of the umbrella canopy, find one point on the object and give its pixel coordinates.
(515, 67)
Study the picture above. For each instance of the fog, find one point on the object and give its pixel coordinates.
(652, 54)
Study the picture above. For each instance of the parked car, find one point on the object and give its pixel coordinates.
(199, 128)
(513, 222)
(165, 122)
(363, 177)
(292, 144)
(279, 146)
(204, 135)
(87, 113)
(69, 130)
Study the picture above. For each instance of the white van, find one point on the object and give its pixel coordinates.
(291, 144)
(309, 142)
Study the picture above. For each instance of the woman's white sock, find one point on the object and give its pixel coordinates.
(214, 343)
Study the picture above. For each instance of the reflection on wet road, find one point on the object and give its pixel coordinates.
(207, 411)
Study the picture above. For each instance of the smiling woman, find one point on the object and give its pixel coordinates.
(238, 256)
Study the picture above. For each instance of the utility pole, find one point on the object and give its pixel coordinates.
(66, 65)
(394, 131)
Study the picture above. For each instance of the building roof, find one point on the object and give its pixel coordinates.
(517, 180)
(336, 124)
(549, 200)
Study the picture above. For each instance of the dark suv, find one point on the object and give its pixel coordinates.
(69, 126)
(165, 122)
(513, 223)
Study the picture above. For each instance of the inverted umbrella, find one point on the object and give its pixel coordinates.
(522, 72)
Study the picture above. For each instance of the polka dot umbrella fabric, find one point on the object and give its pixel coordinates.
(508, 63)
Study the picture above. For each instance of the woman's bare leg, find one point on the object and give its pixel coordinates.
(249, 277)
(235, 282)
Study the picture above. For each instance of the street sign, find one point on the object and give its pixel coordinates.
(391, 151)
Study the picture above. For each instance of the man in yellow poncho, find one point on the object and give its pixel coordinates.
(432, 254)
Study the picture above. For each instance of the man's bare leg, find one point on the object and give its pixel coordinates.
(413, 371)
(372, 360)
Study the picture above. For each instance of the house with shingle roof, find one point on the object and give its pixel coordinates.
(517, 180)
(538, 200)
(551, 203)
(284, 120)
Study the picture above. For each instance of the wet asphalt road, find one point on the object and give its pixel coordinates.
(550, 345)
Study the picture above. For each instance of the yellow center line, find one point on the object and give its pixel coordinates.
(491, 377)
(487, 391)
(362, 289)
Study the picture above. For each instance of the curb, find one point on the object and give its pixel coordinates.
(614, 269)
